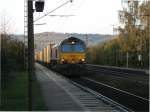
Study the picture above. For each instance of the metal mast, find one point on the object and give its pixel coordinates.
(29, 48)
(25, 34)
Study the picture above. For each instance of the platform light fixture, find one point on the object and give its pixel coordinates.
(39, 5)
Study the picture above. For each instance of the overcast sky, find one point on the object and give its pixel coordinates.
(90, 16)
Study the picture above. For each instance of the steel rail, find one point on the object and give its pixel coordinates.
(121, 107)
(116, 89)
(119, 68)
(98, 95)
(128, 76)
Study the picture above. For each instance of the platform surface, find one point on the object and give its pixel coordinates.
(55, 97)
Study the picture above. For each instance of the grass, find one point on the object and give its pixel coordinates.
(15, 96)
(39, 101)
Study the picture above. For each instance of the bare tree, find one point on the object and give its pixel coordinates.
(4, 23)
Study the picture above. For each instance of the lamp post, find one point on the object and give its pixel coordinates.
(39, 5)
(30, 52)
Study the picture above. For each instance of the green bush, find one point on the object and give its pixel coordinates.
(12, 57)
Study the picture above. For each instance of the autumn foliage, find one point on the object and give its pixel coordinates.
(133, 38)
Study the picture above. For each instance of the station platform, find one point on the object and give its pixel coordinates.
(62, 95)
(56, 98)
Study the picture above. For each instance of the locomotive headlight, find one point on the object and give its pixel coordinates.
(82, 59)
(62, 59)
(72, 42)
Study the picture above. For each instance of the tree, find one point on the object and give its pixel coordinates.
(12, 53)
(133, 38)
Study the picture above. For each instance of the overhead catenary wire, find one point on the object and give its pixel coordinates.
(72, 11)
(52, 11)
(61, 15)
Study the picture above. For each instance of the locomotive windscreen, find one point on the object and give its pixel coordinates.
(73, 48)
(66, 48)
(78, 48)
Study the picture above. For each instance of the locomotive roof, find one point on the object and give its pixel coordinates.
(70, 39)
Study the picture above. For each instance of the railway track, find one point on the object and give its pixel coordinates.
(92, 102)
(123, 99)
(132, 75)
(131, 101)
(87, 99)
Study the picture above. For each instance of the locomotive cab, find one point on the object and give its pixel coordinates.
(72, 51)
(67, 57)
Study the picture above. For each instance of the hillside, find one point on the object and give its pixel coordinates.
(45, 38)
(42, 39)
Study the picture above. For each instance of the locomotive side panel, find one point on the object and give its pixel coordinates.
(54, 54)
(45, 54)
(40, 56)
(48, 54)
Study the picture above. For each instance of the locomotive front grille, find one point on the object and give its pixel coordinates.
(72, 58)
